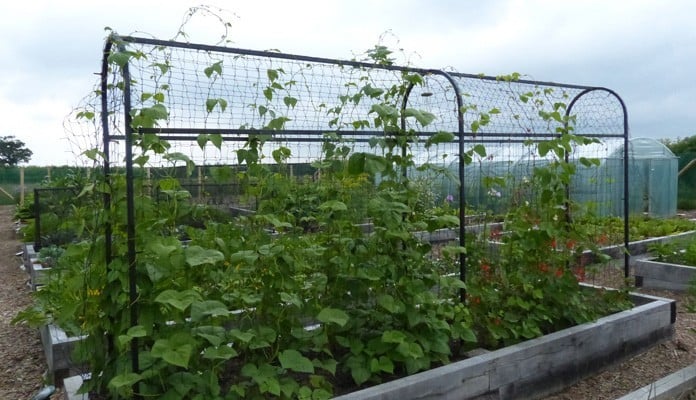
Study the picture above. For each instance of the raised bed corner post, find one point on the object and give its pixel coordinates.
(624, 136)
(37, 221)
(130, 216)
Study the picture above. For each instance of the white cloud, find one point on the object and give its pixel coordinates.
(644, 49)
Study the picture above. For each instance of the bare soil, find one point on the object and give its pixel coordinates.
(22, 363)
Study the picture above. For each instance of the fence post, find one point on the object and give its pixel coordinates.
(21, 186)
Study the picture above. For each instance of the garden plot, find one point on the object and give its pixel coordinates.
(670, 266)
(534, 368)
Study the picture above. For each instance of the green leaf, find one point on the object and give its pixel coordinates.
(393, 337)
(371, 91)
(290, 101)
(202, 139)
(273, 220)
(246, 256)
(268, 93)
(295, 361)
(215, 68)
(333, 316)
(356, 164)
(120, 58)
(172, 353)
(333, 205)
(178, 299)
(210, 105)
(216, 140)
(475, 126)
(424, 118)
(208, 308)
(219, 353)
(410, 350)
(360, 374)
(137, 331)
(124, 380)
(291, 298)
(141, 160)
(244, 337)
(382, 364)
(440, 137)
(277, 123)
(480, 150)
(272, 74)
(390, 304)
(384, 111)
(196, 255)
(215, 335)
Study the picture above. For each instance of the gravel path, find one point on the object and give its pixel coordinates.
(22, 363)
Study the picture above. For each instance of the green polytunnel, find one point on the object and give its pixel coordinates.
(652, 178)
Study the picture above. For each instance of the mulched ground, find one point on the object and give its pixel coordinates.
(22, 363)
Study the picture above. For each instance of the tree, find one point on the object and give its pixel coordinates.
(13, 151)
(681, 146)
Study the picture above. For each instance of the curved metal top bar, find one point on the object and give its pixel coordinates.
(323, 60)
(322, 84)
(599, 88)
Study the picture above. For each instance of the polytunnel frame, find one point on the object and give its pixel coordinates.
(461, 134)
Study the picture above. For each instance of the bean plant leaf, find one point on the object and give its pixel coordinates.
(440, 137)
(216, 139)
(544, 148)
(124, 380)
(180, 300)
(215, 335)
(215, 68)
(172, 353)
(333, 205)
(120, 58)
(333, 316)
(295, 361)
(208, 308)
(219, 353)
(197, 255)
(290, 101)
(393, 336)
(424, 118)
(479, 149)
(244, 337)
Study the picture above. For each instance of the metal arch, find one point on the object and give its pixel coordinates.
(461, 166)
(130, 193)
(625, 162)
(105, 143)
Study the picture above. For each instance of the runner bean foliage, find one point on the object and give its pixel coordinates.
(296, 300)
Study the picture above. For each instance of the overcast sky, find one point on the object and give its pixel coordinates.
(643, 49)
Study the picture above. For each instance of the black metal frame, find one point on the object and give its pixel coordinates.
(464, 136)
(38, 209)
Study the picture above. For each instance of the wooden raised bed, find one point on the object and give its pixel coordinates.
(534, 368)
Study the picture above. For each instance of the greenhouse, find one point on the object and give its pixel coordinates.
(652, 176)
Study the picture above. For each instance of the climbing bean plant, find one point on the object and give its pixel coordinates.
(296, 300)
